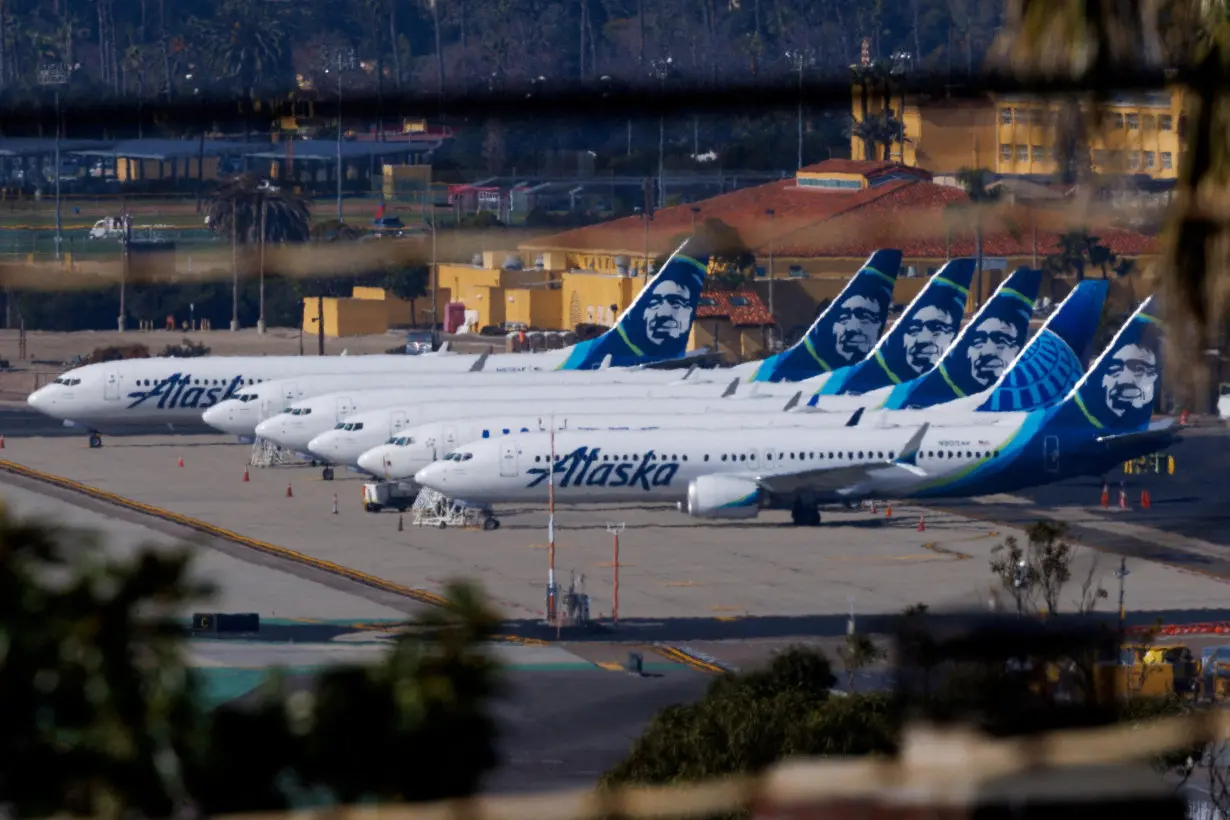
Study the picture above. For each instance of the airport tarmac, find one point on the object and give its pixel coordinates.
(681, 579)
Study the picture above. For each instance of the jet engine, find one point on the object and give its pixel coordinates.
(720, 496)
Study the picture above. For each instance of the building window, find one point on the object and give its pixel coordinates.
(1039, 153)
(1005, 152)
(1148, 122)
(1116, 120)
(1133, 122)
(1165, 122)
(1167, 160)
(1022, 153)
(814, 182)
(1149, 157)
(1133, 160)
(1005, 116)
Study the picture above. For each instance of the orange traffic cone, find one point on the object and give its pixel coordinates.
(245, 474)
(922, 525)
(181, 461)
(1105, 496)
(1, 442)
(888, 511)
(289, 493)
(1145, 501)
(1122, 499)
(1183, 417)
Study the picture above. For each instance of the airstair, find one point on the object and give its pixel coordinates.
(267, 454)
(432, 509)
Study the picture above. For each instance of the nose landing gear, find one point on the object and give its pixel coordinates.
(95, 441)
(326, 474)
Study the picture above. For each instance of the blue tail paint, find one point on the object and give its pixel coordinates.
(657, 324)
(1054, 360)
(917, 340)
(846, 331)
(982, 351)
(1116, 395)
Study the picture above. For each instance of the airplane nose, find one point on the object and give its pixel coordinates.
(431, 476)
(323, 444)
(36, 398)
(266, 428)
(372, 461)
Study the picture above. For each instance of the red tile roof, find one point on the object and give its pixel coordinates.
(752, 314)
(814, 222)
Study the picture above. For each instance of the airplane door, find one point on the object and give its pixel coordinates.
(508, 459)
(397, 421)
(111, 386)
(344, 407)
(1050, 454)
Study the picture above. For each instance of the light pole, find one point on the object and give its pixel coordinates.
(260, 319)
(56, 75)
(435, 279)
(799, 60)
(660, 69)
(615, 530)
(695, 212)
(342, 60)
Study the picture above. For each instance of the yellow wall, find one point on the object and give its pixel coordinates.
(587, 297)
(398, 309)
(347, 317)
(130, 170)
(535, 307)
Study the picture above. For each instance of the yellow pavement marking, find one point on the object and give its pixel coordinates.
(680, 584)
(610, 666)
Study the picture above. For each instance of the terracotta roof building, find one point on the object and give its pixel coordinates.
(733, 322)
(813, 230)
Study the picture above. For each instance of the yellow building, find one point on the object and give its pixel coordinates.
(1018, 134)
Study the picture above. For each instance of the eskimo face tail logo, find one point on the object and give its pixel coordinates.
(996, 337)
(1120, 390)
(852, 325)
(927, 335)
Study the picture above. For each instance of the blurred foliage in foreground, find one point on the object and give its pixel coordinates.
(104, 718)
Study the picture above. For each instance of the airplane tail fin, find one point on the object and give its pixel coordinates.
(658, 323)
(1054, 360)
(981, 350)
(846, 330)
(916, 342)
(1117, 393)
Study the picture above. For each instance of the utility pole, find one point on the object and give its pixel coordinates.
(770, 212)
(125, 264)
(660, 70)
(341, 61)
(615, 530)
(260, 319)
(234, 265)
(435, 280)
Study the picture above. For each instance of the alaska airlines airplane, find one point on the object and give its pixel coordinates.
(1104, 421)
(241, 414)
(1044, 372)
(174, 392)
(844, 333)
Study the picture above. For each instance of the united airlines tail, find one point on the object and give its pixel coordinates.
(846, 331)
(1116, 395)
(918, 339)
(657, 324)
(981, 352)
(1054, 360)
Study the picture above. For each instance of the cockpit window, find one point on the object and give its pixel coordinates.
(339, 425)
(391, 440)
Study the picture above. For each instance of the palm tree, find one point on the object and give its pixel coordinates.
(248, 210)
(1079, 250)
(858, 653)
(248, 44)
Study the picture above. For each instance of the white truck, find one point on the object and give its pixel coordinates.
(396, 494)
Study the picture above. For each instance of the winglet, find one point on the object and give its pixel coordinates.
(856, 418)
(909, 454)
(794, 402)
(691, 370)
(479, 362)
(731, 388)
(606, 362)
(445, 347)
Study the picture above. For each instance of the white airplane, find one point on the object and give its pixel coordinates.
(174, 392)
(1104, 421)
(1043, 373)
(305, 420)
(241, 414)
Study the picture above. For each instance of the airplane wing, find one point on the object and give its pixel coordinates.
(1160, 429)
(845, 478)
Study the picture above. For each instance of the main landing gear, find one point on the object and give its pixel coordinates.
(804, 514)
(326, 474)
(95, 441)
(491, 523)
